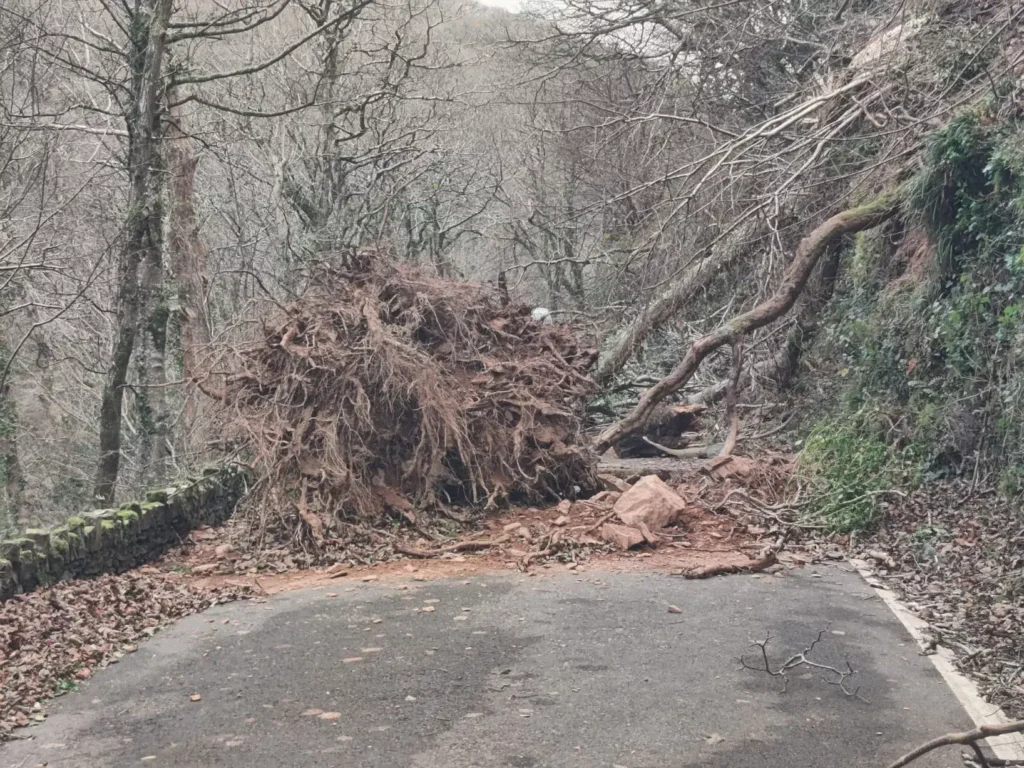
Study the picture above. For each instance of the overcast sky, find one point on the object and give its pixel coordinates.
(508, 5)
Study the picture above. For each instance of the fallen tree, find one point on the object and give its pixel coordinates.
(731, 250)
(808, 254)
(386, 391)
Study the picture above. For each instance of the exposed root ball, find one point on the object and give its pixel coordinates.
(386, 391)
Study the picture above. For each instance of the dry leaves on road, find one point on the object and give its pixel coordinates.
(53, 639)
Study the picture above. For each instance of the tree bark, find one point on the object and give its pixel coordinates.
(11, 511)
(143, 233)
(785, 363)
(723, 256)
(808, 253)
(782, 366)
(188, 259)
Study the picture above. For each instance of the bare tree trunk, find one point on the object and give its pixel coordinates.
(11, 511)
(808, 253)
(732, 413)
(723, 256)
(784, 365)
(143, 233)
(188, 258)
(153, 381)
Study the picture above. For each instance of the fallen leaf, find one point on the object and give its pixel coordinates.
(713, 739)
(312, 713)
(195, 697)
(331, 716)
(674, 609)
(351, 659)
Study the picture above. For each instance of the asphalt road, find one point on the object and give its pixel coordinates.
(580, 671)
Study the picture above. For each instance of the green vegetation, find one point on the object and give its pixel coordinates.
(925, 341)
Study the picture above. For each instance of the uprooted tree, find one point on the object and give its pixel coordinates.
(388, 391)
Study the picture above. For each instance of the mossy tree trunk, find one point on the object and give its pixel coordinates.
(143, 227)
(808, 254)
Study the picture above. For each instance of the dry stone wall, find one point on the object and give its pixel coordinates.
(114, 540)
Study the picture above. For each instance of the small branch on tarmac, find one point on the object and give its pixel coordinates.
(968, 738)
(833, 675)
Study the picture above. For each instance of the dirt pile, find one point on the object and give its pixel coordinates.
(386, 393)
(715, 526)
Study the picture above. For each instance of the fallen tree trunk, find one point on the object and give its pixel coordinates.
(668, 425)
(808, 253)
(782, 366)
(729, 251)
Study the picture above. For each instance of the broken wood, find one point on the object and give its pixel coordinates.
(462, 546)
(753, 566)
(670, 425)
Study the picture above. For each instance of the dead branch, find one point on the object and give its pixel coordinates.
(808, 253)
(967, 738)
(753, 566)
(834, 675)
(730, 249)
(692, 452)
(462, 546)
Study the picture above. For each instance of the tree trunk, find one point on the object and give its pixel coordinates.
(143, 233)
(808, 253)
(188, 258)
(11, 512)
(733, 249)
(785, 363)
(782, 366)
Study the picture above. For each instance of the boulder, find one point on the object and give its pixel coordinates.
(650, 502)
(621, 536)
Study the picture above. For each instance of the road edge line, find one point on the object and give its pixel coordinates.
(1008, 747)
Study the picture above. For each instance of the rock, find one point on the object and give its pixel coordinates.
(564, 506)
(222, 550)
(621, 536)
(612, 484)
(205, 568)
(650, 502)
(561, 521)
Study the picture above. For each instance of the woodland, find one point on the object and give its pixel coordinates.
(308, 236)
(422, 267)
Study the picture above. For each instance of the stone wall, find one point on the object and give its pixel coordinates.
(114, 540)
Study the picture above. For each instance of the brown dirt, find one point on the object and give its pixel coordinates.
(716, 531)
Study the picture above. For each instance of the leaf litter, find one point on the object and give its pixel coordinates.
(53, 639)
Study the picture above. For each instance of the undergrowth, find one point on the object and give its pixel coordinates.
(924, 343)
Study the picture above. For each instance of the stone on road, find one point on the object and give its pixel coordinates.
(580, 671)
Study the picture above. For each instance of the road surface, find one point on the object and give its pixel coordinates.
(572, 670)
